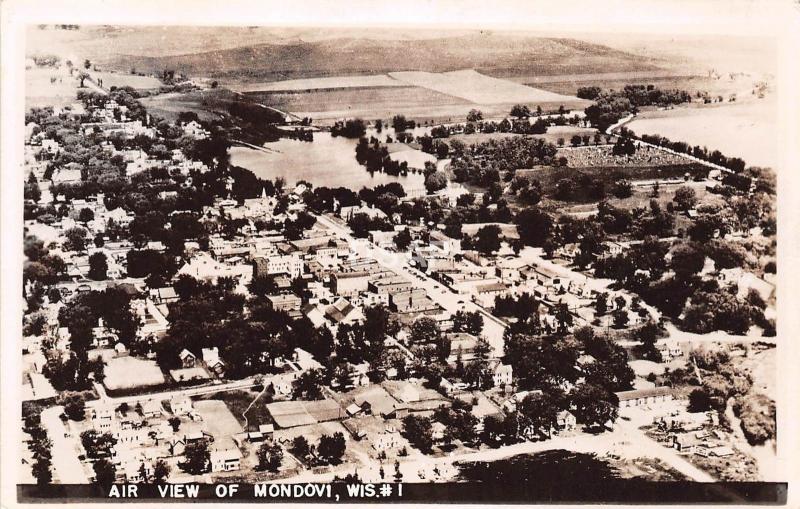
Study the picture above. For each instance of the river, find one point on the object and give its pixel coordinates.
(327, 161)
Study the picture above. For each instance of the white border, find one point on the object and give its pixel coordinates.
(777, 19)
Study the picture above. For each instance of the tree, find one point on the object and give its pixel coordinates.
(196, 457)
(402, 240)
(699, 400)
(540, 412)
(685, 198)
(435, 182)
(75, 239)
(424, 330)
(105, 473)
(474, 115)
(175, 423)
(300, 447)
(270, 457)
(331, 448)
(160, 472)
(309, 385)
(97, 444)
(595, 405)
(487, 240)
(620, 318)
(98, 266)
(75, 407)
(418, 431)
(520, 111)
(41, 470)
(85, 215)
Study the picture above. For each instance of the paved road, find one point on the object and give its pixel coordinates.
(67, 468)
(191, 391)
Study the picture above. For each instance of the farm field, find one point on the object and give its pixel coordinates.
(481, 89)
(377, 102)
(743, 130)
(332, 82)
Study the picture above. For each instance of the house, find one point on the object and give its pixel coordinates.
(188, 359)
(644, 397)
(268, 430)
(181, 405)
(502, 374)
(152, 408)
(566, 420)
(103, 417)
(685, 443)
(225, 459)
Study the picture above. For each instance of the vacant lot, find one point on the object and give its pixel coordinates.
(130, 372)
(745, 130)
(480, 89)
(307, 84)
(238, 401)
(216, 416)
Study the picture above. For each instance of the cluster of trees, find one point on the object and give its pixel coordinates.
(611, 105)
(329, 450)
(482, 163)
(41, 447)
(112, 305)
(375, 157)
(352, 128)
(549, 364)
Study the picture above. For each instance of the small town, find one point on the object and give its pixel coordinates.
(556, 282)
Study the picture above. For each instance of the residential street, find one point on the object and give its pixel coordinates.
(67, 468)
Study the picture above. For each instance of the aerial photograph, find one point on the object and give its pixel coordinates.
(258, 254)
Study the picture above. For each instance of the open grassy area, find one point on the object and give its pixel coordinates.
(238, 401)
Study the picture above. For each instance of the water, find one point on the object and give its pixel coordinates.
(327, 161)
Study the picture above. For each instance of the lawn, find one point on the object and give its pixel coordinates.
(218, 417)
(238, 401)
(130, 373)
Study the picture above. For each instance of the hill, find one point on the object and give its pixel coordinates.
(492, 54)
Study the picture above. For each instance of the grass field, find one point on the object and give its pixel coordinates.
(238, 401)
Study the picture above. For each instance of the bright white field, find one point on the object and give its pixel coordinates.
(478, 88)
(332, 82)
(130, 372)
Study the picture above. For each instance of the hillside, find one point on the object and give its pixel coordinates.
(496, 55)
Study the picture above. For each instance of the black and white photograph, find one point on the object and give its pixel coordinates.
(389, 261)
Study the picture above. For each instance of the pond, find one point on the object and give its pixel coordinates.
(327, 161)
